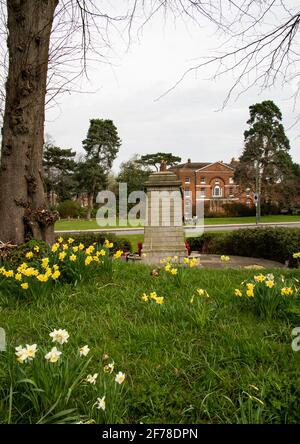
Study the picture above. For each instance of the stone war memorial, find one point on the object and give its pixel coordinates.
(164, 235)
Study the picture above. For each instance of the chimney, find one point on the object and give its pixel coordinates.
(189, 160)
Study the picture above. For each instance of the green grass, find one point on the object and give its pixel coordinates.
(92, 224)
(184, 363)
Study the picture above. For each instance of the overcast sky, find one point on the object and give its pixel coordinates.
(186, 121)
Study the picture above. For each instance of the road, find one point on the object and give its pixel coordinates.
(188, 230)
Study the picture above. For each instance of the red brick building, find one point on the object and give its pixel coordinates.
(211, 182)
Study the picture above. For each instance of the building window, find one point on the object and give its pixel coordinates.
(230, 192)
(248, 203)
(217, 192)
(202, 180)
(187, 194)
(231, 181)
(202, 192)
(247, 192)
(187, 180)
(217, 181)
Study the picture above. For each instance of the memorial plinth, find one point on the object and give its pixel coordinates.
(164, 235)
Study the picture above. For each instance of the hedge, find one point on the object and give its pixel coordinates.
(277, 244)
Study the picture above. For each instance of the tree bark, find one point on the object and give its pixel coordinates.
(23, 210)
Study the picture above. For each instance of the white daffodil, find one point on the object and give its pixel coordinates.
(31, 351)
(109, 368)
(60, 336)
(21, 353)
(120, 377)
(101, 403)
(53, 355)
(84, 350)
(92, 378)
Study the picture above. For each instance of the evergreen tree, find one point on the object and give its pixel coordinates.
(101, 146)
(266, 150)
(59, 167)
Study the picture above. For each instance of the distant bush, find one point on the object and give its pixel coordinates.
(276, 244)
(69, 208)
(238, 210)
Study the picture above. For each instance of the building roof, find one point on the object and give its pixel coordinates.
(191, 165)
(197, 165)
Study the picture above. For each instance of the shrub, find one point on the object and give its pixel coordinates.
(238, 210)
(69, 208)
(276, 244)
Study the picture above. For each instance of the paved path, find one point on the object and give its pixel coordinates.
(214, 261)
(188, 230)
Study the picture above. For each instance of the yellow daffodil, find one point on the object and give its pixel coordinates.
(62, 255)
(65, 246)
(118, 254)
(108, 244)
(145, 298)
(225, 258)
(24, 286)
(238, 292)
(42, 278)
(202, 292)
(88, 260)
(101, 253)
(29, 255)
(287, 291)
(75, 249)
(70, 240)
(9, 273)
(260, 278)
(153, 295)
(36, 248)
(56, 274)
(173, 271)
(168, 267)
(194, 262)
(159, 300)
(296, 255)
(18, 277)
(45, 262)
(80, 247)
(73, 257)
(54, 248)
(60, 239)
(89, 250)
(270, 284)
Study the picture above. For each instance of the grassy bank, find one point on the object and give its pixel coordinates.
(214, 361)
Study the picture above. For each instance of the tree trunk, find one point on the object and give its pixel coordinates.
(90, 205)
(23, 207)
